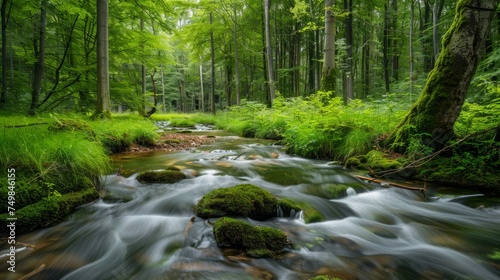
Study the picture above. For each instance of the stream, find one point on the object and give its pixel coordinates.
(371, 231)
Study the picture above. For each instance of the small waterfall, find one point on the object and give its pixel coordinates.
(279, 212)
(350, 192)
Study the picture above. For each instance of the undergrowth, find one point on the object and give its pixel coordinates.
(315, 127)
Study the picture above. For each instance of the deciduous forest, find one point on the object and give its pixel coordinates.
(405, 90)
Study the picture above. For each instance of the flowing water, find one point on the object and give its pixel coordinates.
(371, 231)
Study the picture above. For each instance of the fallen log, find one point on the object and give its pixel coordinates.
(382, 182)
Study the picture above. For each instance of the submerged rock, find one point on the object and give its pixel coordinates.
(241, 200)
(164, 176)
(257, 241)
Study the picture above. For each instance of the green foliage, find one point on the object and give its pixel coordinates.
(318, 126)
(241, 200)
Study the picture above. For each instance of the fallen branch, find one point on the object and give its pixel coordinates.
(24, 125)
(33, 272)
(382, 182)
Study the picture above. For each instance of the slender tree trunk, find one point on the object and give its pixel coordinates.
(269, 52)
(236, 60)
(349, 93)
(432, 116)
(365, 62)
(202, 89)
(435, 29)
(39, 66)
(4, 15)
(329, 77)
(143, 74)
(212, 51)
(386, 49)
(412, 18)
(103, 108)
(395, 41)
(163, 108)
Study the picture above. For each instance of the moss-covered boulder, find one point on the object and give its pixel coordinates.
(257, 241)
(241, 200)
(49, 210)
(376, 160)
(163, 176)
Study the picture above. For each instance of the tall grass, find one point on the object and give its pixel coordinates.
(48, 162)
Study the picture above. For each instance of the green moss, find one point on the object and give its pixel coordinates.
(164, 176)
(50, 209)
(377, 161)
(494, 255)
(287, 205)
(260, 241)
(241, 200)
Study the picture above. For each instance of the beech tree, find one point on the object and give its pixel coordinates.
(432, 116)
(103, 106)
(328, 75)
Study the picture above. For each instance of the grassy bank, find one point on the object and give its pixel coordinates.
(58, 161)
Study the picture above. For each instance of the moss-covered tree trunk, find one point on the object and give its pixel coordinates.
(433, 115)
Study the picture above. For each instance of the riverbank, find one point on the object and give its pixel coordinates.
(56, 163)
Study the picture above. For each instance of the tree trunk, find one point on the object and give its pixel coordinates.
(39, 66)
(412, 18)
(3, 97)
(328, 78)
(349, 93)
(103, 108)
(386, 49)
(236, 60)
(432, 116)
(269, 51)
(212, 51)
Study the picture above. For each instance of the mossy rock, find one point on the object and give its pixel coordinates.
(287, 205)
(72, 125)
(377, 161)
(333, 190)
(257, 241)
(241, 200)
(357, 162)
(164, 176)
(49, 210)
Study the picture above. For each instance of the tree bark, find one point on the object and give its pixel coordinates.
(432, 116)
(4, 15)
(328, 78)
(349, 93)
(236, 59)
(269, 51)
(103, 106)
(212, 52)
(39, 66)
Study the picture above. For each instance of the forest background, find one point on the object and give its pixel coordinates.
(258, 67)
